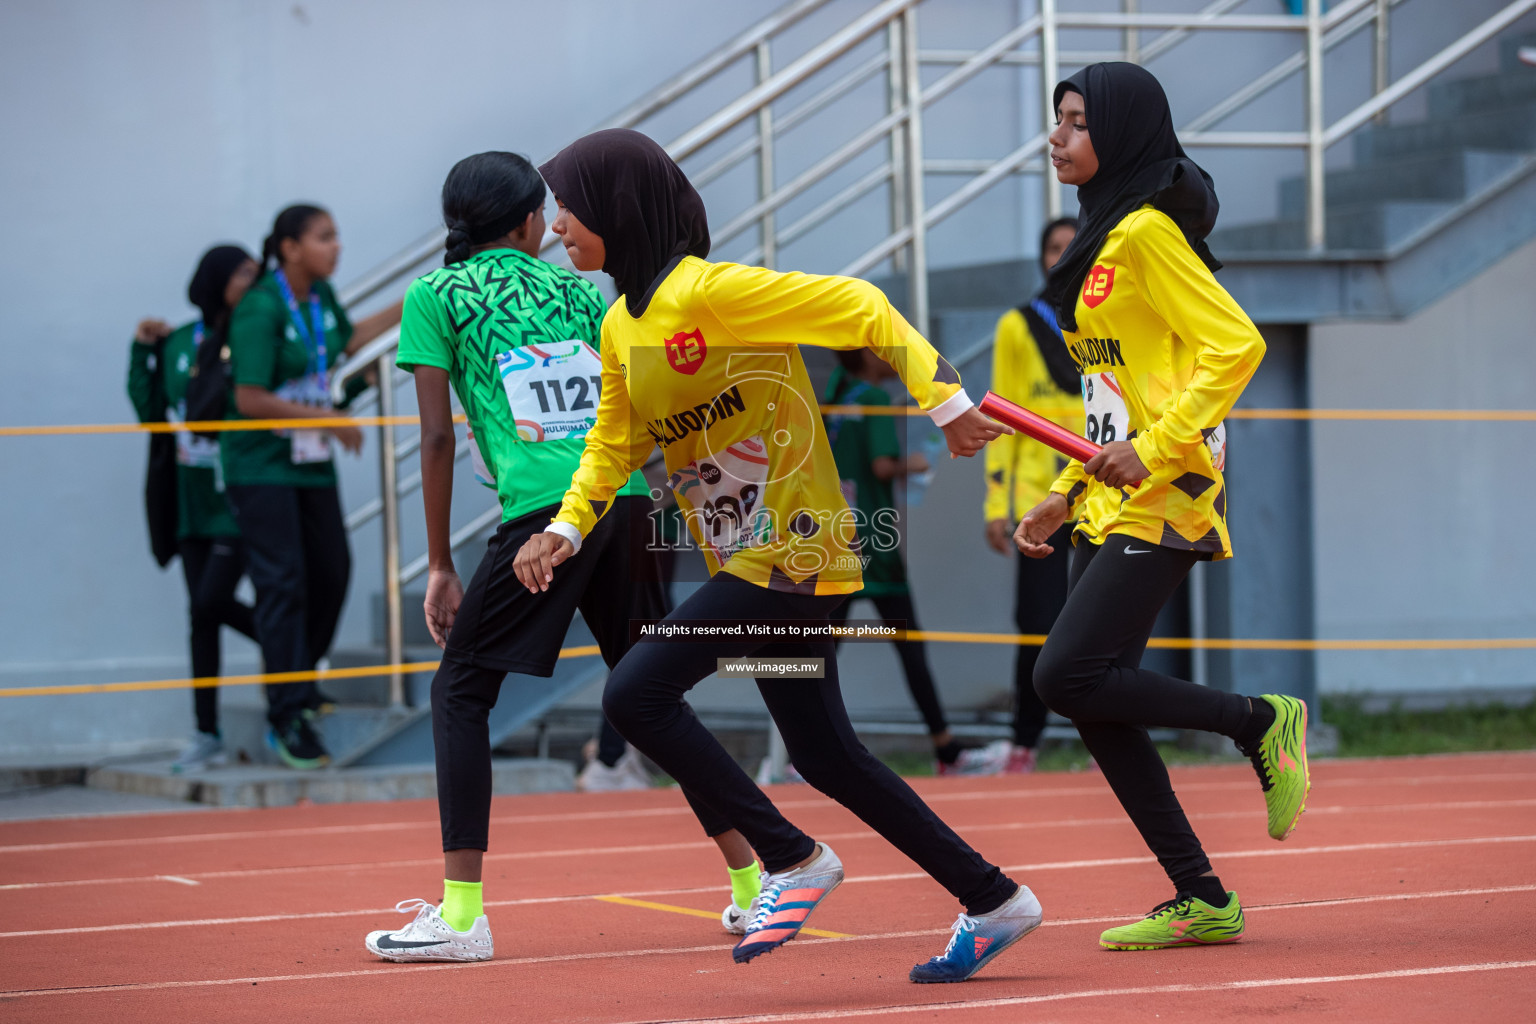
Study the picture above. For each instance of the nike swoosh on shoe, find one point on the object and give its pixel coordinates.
(386, 942)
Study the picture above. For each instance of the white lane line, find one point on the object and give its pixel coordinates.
(1010, 826)
(401, 969)
(178, 880)
(1107, 993)
(641, 894)
(682, 809)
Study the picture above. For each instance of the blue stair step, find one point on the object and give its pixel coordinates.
(1483, 93)
(1448, 175)
(1359, 228)
(1512, 129)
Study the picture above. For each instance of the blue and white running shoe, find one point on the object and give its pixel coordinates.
(976, 940)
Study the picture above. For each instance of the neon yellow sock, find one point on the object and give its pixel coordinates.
(745, 885)
(462, 903)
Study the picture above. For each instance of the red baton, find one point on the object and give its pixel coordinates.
(1038, 427)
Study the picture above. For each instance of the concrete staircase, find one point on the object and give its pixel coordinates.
(1477, 132)
(1424, 207)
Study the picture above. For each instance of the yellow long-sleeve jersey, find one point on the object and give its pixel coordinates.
(1020, 469)
(1165, 352)
(711, 373)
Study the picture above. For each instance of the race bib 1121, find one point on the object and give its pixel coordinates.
(552, 388)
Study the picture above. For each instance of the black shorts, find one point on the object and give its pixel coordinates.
(501, 626)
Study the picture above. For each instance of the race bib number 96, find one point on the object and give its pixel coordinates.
(1104, 407)
(552, 388)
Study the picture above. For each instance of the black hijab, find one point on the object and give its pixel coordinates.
(206, 289)
(625, 188)
(1140, 162)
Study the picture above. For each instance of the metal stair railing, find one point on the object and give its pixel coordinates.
(893, 24)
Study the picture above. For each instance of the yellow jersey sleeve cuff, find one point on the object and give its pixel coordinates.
(1072, 485)
(567, 531)
(1146, 450)
(951, 409)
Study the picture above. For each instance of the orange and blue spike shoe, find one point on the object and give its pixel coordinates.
(786, 902)
(977, 939)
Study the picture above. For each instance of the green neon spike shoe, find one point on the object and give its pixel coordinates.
(1182, 921)
(1281, 763)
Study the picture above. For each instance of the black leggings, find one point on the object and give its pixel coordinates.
(644, 699)
(610, 743)
(296, 543)
(502, 628)
(213, 567)
(897, 610)
(1040, 591)
(1089, 671)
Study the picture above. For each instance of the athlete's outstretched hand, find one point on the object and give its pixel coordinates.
(535, 563)
(969, 432)
(444, 595)
(1039, 523)
(1117, 465)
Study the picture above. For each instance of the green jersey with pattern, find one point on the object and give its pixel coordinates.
(516, 336)
(857, 441)
(201, 510)
(266, 350)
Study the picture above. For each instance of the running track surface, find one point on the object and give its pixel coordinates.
(1408, 893)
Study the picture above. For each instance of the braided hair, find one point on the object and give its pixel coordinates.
(484, 197)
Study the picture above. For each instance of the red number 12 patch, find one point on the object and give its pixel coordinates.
(1097, 285)
(685, 352)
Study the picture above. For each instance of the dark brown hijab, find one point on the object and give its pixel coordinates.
(625, 188)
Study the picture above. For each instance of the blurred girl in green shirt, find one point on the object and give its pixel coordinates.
(284, 338)
(212, 557)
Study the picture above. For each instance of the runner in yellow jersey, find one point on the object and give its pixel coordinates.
(512, 336)
(1030, 364)
(700, 359)
(1164, 353)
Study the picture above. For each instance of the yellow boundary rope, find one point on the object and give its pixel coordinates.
(224, 426)
(210, 682)
(935, 636)
(214, 426)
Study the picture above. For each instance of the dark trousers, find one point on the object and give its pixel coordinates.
(898, 610)
(212, 567)
(297, 555)
(1090, 672)
(1040, 590)
(502, 628)
(610, 743)
(644, 699)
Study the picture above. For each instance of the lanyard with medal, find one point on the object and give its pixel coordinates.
(309, 445)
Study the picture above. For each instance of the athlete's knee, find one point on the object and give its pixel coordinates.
(624, 696)
(461, 690)
(1059, 680)
(831, 767)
